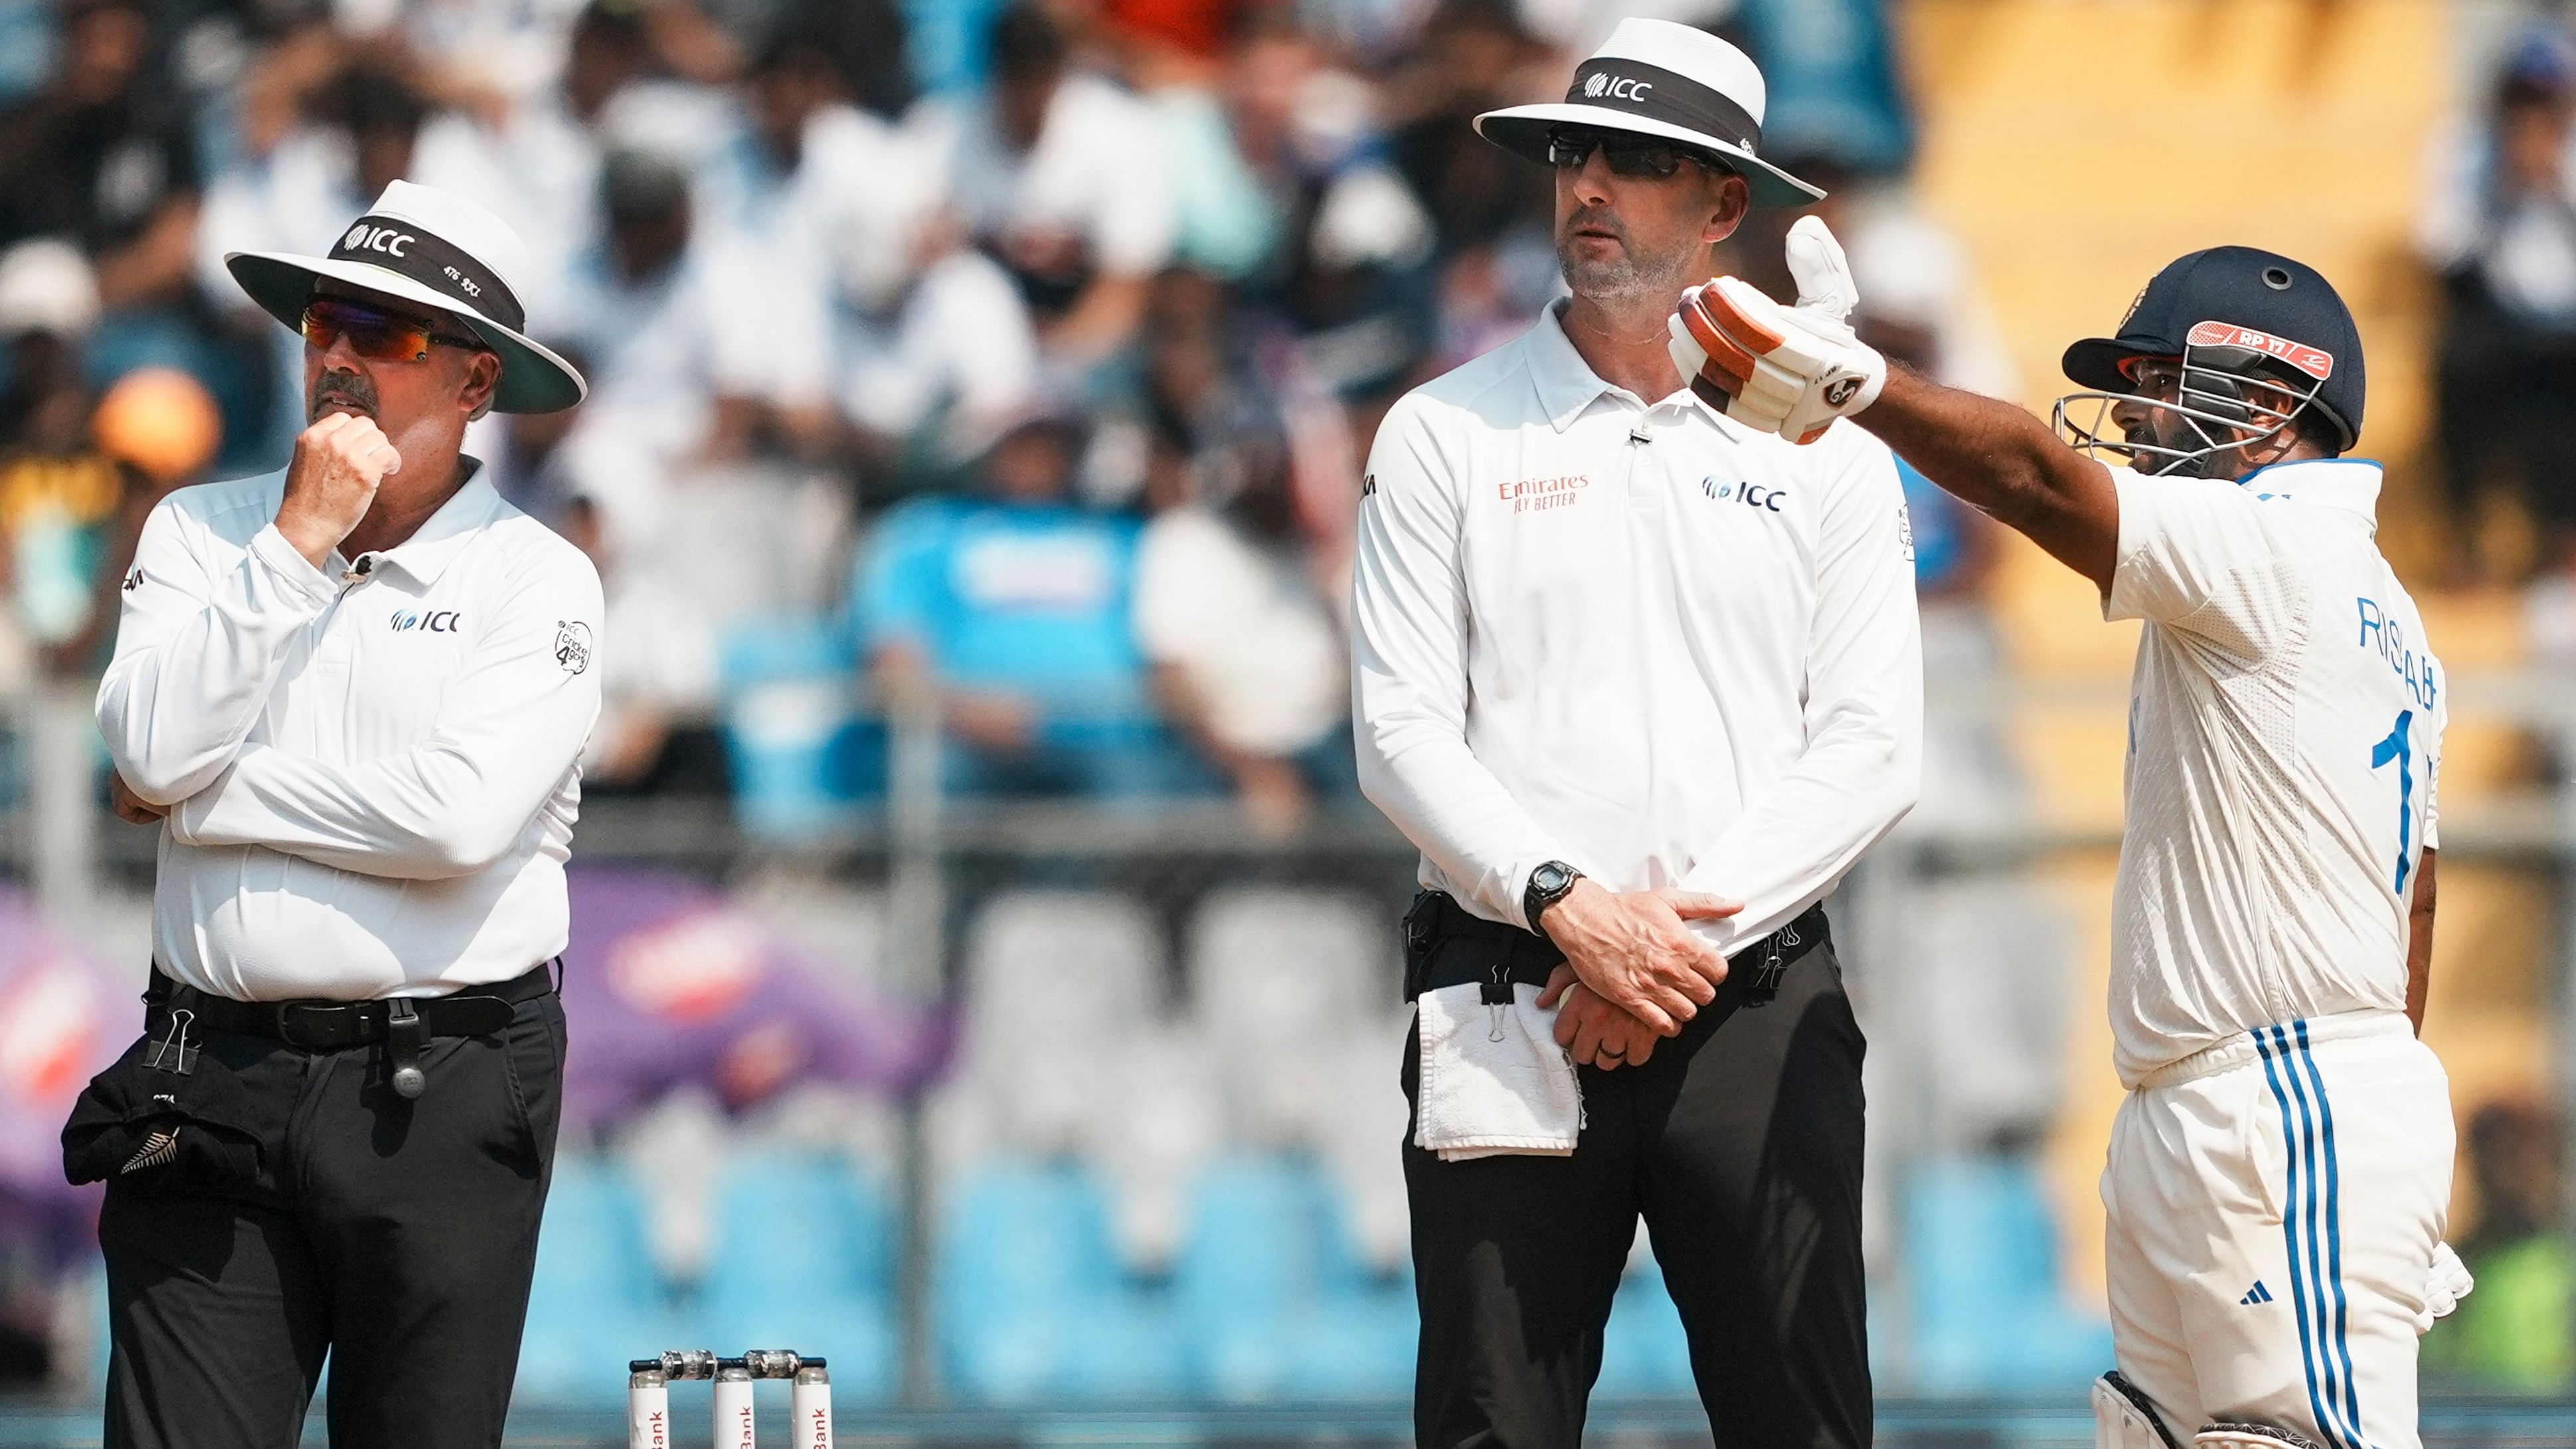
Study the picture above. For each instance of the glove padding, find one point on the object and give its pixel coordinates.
(1785, 370)
(2444, 1286)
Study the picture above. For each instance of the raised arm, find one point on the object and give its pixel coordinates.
(198, 646)
(2001, 460)
(1794, 370)
(512, 727)
(198, 649)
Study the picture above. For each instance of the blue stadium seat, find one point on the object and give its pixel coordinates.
(1274, 1296)
(803, 756)
(804, 1259)
(1357, 1343)
(1987, 1307)
(1644, 1352)
(1262, 1249)
(596, 1301)
(1032, 1302)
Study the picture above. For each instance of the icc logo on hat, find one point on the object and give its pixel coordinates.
(1596, 85)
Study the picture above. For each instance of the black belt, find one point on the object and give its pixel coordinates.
(408, 1023)
(1446, 945)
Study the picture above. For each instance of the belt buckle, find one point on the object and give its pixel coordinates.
(301, 1024)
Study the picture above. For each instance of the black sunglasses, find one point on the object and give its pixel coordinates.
(1629, 154)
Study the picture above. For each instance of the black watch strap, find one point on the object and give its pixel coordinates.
(1549, 882)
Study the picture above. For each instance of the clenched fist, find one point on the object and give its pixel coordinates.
(332, 482)
(1785, 370)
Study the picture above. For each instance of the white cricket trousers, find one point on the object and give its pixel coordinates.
(2275, 1202)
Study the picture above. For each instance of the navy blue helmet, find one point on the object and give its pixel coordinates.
(2224, 349)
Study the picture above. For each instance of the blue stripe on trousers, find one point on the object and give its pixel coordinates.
(2294, 1198)
(2334, 1234)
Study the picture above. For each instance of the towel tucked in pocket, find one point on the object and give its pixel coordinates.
(1493, 1080)
(172, 1112)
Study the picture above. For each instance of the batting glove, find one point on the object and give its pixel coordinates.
(1785, 370)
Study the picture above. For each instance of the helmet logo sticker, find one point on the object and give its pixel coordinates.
(2316, 362)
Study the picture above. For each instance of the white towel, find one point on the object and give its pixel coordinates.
(1493, 1079)
(2444, 1287)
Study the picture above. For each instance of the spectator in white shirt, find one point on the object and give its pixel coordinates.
(1241, 642)
(1060, 175)
(702, 352)
(846, 215)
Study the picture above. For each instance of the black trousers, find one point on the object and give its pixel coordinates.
(396, 1235)
(1740, 1142)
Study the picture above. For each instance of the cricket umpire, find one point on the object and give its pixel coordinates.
(353, 692)
(1642, 683)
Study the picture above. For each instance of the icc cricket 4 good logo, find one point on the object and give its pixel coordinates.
(572, 645)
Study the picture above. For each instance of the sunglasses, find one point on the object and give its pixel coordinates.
(373, 333)
(1568, 147)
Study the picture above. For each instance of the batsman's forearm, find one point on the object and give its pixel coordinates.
(2419, 943)
(2004, 462)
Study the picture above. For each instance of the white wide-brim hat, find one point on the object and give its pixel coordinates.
(435, 248)
(1657, 78)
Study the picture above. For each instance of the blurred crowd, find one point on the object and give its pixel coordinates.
(1018, 356)
(1017, 359)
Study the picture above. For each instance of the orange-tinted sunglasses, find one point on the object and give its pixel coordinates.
(372, 332)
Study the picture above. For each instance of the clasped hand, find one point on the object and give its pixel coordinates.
(1634, 970)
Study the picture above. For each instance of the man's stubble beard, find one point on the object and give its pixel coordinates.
(1628, 274)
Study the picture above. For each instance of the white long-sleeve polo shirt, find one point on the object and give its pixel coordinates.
(1644, 640)
(371, 767)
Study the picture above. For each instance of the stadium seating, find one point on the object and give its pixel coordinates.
(1032, 1304)
(803, 757)
(596, 1300)
(805, 1259)
(1986, 1307)
(1644, 1352)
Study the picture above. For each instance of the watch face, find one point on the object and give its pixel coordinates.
(1550, 877)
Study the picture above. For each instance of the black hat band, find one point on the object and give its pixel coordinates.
(400, 246)
(1657, 94)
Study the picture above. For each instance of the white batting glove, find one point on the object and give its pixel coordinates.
(2444, 1286)
(1785, 370)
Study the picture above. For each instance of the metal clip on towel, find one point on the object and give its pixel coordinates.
(406, 1037)
(172, 1053)
(1496, 993)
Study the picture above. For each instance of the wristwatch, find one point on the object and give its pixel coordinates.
(1549, 882)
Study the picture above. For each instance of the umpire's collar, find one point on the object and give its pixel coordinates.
(426, 554)
(1566, 383)
(2351, 484)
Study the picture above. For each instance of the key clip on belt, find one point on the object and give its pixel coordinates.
(406, 1038)
(1775, 965)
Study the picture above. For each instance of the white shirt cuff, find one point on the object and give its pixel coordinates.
(292, 569)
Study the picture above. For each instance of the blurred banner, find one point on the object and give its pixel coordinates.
(669, 984)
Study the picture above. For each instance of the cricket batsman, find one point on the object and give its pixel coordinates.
(2280, 1174)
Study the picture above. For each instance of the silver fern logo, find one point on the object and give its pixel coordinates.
(157, 1150)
